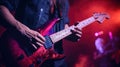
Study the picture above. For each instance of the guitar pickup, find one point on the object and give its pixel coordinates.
(48, 43)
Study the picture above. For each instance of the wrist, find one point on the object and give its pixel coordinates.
(19, 26)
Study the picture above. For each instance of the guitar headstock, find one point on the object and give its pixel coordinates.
(100, 17)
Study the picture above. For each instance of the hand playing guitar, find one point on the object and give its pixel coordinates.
(76, 33)
(35, 37)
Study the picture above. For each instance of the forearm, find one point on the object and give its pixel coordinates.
(31, 34)
(7, 15)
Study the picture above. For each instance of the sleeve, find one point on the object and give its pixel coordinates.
(10, 4)
(64, 11)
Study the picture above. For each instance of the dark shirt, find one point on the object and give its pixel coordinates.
(35, 13)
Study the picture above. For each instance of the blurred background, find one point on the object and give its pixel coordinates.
(80, 54)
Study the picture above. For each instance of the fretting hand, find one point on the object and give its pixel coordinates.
(76, 34)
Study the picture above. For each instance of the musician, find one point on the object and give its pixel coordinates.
(22, 18)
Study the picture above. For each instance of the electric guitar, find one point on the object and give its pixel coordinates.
(53, 38)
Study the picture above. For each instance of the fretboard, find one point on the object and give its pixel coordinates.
(66, 32)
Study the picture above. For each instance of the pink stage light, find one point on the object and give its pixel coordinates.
(99, 33)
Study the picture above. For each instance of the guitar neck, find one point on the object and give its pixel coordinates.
(66, 32)
(86, 22)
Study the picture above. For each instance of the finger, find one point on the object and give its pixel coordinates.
(78, 28)
(41, 37)
(39, 40)
(34, 46)
(39, 44)
(37, 34)
(78, 39)
(77, 31)
(78, 35)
